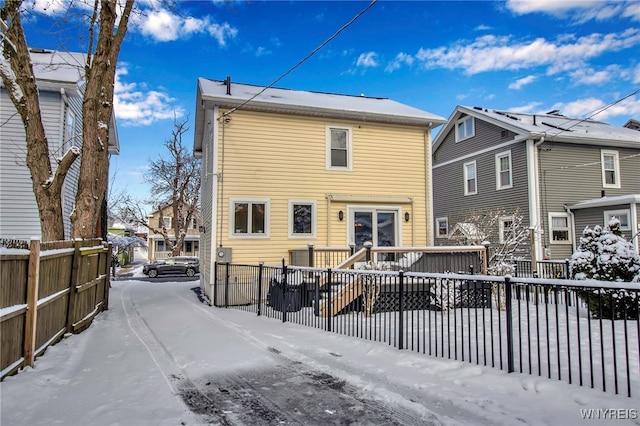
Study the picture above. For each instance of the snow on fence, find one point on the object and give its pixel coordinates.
(583, 332)
(47, 290)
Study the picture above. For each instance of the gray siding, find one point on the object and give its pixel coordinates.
(570, 173)
(18, 210)
(595, 216)
(448, 187)
(486, 136)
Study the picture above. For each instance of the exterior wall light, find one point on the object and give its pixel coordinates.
(340, 215)
(406, 216)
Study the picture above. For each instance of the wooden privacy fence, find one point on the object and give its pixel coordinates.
(46, 290)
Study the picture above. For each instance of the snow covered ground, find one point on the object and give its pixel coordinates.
(161, 357)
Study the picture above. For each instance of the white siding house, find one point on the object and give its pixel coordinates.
(60, 79)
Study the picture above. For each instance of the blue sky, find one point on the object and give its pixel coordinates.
(530, 56)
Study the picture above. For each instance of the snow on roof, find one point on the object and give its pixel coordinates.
(606, 201)
(216, 91)
(468, 230)
(54, 69)
(552, 125)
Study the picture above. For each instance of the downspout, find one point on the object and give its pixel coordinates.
(572, 229)
(533, 178)
(635, 227)
(329, 196)
(428, 194)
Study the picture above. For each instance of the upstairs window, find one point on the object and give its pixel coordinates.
(339, 148)
(610, 169)
(250, 218)
(503, 170)
(442, 225)
(165, 222)
(559, 228)
(465, 128)
(470, 179)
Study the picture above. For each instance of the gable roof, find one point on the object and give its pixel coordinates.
(552, 126)
(64, 71)
(212, 93)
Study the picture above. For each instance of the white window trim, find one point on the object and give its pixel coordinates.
(502, 220)
(314, 216)
(473, 128)
(498, 183)
(349, 131)
(609, 213)
(466, 177)
(164, 222)
(569, 228)
(446, 221)
(232, 215)
(351, 209)
(616, 165)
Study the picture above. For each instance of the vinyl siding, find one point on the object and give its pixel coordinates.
(570, 173)
(448, 187)
(207, 205)
(486, 136)
(595, 216)
(279, 158)
(18, 209)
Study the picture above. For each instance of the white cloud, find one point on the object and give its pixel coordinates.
(263, 51)
(632, 11)
(53, 7)
(589, 106)
(163, 25)
(400, 60)
(528, 108)
(591, 76)
(521, 82)
(368, 59)
(579, 11)
(493, 53)
(135, 106)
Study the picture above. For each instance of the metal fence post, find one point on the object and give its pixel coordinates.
(328, 311)
(226, 285)
(401, 311)
(507, 284)
(260, 272)
(285, 306)
(311, 260)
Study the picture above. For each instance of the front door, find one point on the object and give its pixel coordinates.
(376, 225)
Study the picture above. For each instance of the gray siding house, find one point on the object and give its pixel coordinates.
(60, 80)
(560, 174)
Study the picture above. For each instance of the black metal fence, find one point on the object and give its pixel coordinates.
(582, 332)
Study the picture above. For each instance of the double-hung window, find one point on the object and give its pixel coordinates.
(339, 152)
(250, 218)
(470, 178)
(465, 128)
(302, 219)
(610, 169)
(442, 225)
(507, 232)
(503, 170)
(621, 215)
(559, 228)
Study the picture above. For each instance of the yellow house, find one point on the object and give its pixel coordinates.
(157, 248)
(284, 168)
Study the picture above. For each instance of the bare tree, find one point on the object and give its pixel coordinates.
(175, 185)
(503, 229)
(18, 77)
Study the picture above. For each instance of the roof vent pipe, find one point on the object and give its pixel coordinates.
(534, 119)
(227, 82)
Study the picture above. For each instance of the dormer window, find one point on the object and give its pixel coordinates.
(465, 128)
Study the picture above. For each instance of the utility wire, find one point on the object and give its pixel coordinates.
(596, 112)
(303, 60)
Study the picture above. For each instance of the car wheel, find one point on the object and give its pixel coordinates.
(190, 272)
(153, 273)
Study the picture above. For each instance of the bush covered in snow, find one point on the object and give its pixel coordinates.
(604, 254)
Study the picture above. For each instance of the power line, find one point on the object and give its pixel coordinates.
(595, 112)
(303, 60)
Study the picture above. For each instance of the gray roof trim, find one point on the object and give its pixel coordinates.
(606, 201)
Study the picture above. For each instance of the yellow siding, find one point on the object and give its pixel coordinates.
(284, 157)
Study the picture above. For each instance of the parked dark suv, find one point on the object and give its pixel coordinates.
(173, 265)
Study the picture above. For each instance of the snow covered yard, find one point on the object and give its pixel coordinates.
(160, 357)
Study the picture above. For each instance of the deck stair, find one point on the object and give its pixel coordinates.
(349, 289)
